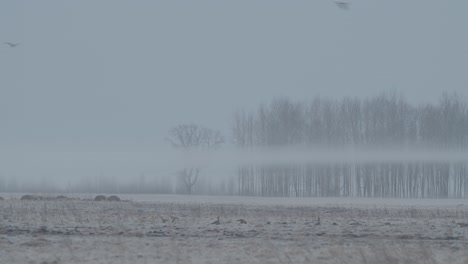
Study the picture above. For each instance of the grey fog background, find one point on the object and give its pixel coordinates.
(94, 86)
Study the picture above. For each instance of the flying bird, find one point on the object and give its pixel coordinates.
(12, 45)
(343, 5)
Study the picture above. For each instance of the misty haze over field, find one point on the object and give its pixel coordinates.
(260, 98)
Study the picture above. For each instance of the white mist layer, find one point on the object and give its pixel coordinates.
(64, 167)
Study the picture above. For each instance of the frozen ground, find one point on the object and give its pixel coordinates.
(180, 229)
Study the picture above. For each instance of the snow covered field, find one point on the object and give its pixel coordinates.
(184, 229)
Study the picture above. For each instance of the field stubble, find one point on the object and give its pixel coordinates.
(77, 231)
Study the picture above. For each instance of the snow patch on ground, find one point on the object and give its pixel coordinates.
(185, 229)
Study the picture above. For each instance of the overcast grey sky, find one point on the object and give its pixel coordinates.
(102, 74)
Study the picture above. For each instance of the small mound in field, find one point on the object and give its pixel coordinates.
(100, 198)
(28, 197)
(113, 198)
(40, 242)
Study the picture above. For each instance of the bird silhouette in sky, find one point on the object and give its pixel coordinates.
(12, 45)
(343, 5)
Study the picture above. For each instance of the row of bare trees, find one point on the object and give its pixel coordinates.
(381, 121)
(398, 180)
(386, 119)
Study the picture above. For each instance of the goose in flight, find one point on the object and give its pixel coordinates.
(343, 5)
(12, 45)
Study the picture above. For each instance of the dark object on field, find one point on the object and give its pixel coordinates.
(113, 198)
(174, 218)
(163, 220)
(1, 198)
(61, 197)
(318, 221)
(242, 221)
(100, 198)
(460, 224)
(28, 197)
(216, 222)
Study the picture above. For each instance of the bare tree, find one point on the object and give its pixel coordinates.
(191, 137)
(189, 177)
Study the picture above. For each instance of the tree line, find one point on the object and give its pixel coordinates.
(380, 121)
(386, 119)
(377, 179)
(383, 120)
